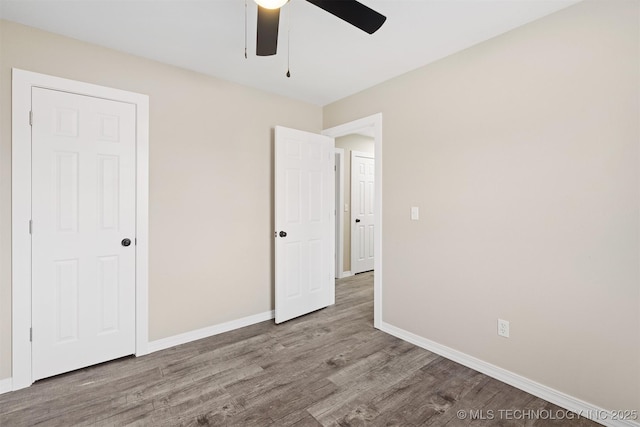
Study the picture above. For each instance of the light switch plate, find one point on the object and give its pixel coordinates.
(346, 208)
(415, 213)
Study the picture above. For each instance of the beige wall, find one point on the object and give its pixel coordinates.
(210, 177)
(349, 143)
(523, 154)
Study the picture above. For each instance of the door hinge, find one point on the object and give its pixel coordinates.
(334, 168)
(30, 334)
(30, 226)
(30, 118)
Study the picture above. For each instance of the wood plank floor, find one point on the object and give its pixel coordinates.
(329, 368)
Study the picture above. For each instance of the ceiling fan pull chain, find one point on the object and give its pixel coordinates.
(245, 29)
(289, 41)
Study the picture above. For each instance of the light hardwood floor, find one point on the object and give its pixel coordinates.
(329, 368)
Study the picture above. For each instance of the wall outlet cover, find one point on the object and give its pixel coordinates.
(503, 328)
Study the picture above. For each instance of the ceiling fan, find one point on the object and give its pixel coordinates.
(351, 11)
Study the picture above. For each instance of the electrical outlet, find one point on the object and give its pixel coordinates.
(503, 328)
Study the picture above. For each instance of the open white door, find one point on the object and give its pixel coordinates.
(304, 222)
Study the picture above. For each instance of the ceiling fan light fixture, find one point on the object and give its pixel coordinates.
(271, 4)
(351, 11)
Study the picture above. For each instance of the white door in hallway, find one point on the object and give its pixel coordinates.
(304, 222)
(362, 211)
(83, 231)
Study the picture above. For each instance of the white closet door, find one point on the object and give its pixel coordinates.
(83, 231)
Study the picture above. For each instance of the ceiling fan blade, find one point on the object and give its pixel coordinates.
(353, 12)
(267, 35)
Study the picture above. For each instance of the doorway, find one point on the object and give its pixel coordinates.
(372, 126)
(355, 212)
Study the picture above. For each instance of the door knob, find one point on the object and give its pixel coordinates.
(357, 219)
(283, 234)
(125, 242)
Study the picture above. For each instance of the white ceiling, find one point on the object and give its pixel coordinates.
(329, 58)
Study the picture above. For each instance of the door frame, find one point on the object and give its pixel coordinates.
(371, 123)
(352, 222)
(22, 83)
(339, 213)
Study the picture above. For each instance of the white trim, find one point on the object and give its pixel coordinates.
(340, 213)
(22, 82)
(20, 237)
(549, 394)
(347, 274)
(6, 385)
(209, 331)
(142, 225)
(371, 123)
(352, 222)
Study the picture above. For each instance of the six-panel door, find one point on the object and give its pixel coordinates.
(83, 190)
(363, 215)
(305, 215)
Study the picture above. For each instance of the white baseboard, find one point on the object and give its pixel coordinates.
(346, 274)
(556, 397)
(209, 331)
(6, 385)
